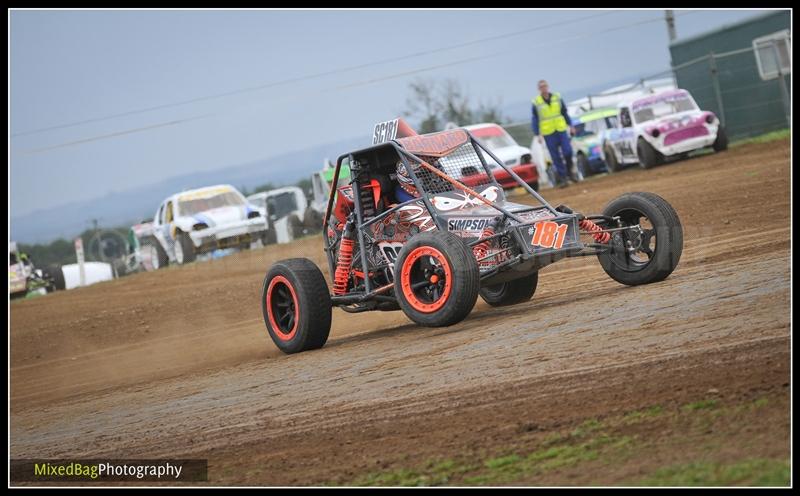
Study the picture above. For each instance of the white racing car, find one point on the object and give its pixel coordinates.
(203, 220)
(665, 125)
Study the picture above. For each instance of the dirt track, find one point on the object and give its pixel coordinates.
(178, 363)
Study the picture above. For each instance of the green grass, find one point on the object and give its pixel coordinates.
(763, 138)
(761, 402)
(700, 405)
(640, 415)
(750, 472)
(596, 440)
(585, 443)
(435, 473)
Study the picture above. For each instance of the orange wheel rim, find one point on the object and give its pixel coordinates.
(426, 279)
(282, 308)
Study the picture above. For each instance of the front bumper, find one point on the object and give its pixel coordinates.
(688, 144)
(526, 172)
(229, 235)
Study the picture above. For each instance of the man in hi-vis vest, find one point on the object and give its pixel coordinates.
(550, 123)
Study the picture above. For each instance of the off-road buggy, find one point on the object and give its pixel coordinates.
(431, 256)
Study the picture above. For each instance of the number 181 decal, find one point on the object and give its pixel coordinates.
(548, 234)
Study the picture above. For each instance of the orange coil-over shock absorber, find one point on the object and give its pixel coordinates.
(481, 249)
(343, 262)
(595, 230)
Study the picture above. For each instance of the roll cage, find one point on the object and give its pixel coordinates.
(448, 150)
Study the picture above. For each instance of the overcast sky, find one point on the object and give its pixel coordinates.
(69, 67)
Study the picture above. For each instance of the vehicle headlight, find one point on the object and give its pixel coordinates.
(199, 226)
(253, 214)
(526, 159)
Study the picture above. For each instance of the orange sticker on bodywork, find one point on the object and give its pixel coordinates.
(548, 234)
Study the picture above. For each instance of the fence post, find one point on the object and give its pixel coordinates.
(590, 102)
(782, 84)
(712, 62)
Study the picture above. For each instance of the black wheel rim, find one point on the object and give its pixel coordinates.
(282, 308)
(633, 249)
(422, 272)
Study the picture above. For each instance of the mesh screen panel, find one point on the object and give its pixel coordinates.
(463, 165)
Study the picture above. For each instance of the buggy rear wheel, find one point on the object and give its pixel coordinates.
(296, 305)
(436, 279)
(510, 292)
(648, 254)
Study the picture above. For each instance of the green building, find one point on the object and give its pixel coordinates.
(741, 72)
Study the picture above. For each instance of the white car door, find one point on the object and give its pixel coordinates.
(626, 143)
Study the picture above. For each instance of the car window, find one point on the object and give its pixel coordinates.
(160, 216)
(195, 205)
(663, 108)
(496, 141)
(282, 204)
(625, 118)
(168, 214)
(583, 129)
(259, 202)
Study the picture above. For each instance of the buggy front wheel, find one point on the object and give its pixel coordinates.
(651, 249)
(436, 279)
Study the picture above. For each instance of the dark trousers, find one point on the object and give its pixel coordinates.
(558, 143)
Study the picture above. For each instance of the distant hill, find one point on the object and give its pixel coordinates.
(133, 205)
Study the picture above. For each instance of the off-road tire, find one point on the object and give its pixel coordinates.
(668, 235)
(309, 300)
(510, 292)
(457, 283)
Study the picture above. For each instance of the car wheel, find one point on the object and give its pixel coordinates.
(655, 251)
(436, 279)
(57, 275)
(510, 292)
(312, 221)
(184, 249)
(611, 159)
(158, 257)
(721, 143)
(583, 165)
(295, 227)
(648, 156)
(296, 305)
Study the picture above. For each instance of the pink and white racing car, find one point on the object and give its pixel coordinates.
(666, 125)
